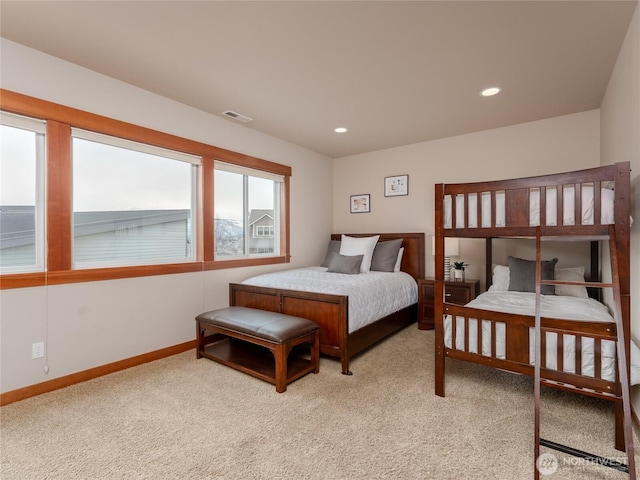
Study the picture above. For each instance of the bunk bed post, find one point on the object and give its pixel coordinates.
(488, 263)
(621, 212)
(439, 289)
(595, 275)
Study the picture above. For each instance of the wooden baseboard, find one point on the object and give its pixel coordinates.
(61, 382)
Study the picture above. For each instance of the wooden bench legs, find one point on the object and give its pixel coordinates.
(281, 353)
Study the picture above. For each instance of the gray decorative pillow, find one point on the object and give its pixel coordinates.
(333, 247)
(349, 264)
(522, 275)
(385, 255)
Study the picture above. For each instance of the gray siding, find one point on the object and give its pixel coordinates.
(21, 256)
(164, 240)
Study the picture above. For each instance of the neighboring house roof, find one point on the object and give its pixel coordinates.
(258, 214)
(90, 223)
(17, 223)
(17, 226)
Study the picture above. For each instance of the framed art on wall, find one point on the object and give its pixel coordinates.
(395, 186)
(360, 203)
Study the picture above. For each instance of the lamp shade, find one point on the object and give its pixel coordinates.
(451, 246)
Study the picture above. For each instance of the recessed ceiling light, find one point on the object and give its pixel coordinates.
(340, 130)
(489, 92)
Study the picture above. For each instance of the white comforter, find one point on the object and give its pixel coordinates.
(372, 295)
(573, 308)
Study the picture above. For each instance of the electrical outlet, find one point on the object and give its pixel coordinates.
(37, 350)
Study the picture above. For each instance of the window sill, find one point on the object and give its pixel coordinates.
(244, 262)
(21, 280)
(38, 279)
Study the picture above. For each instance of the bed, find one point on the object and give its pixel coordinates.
(575, 353)
(339, 336)
(587, 356)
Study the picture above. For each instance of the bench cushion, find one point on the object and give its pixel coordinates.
(271, 326)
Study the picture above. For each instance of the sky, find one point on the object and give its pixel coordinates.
(17, 167)
(113, 178)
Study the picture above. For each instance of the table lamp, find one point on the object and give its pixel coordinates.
(451, 249)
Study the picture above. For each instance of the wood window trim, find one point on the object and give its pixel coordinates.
(60, 119)
(43, 109)
(58, 204)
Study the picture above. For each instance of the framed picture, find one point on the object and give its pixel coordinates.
(395, 186)
(360, 203)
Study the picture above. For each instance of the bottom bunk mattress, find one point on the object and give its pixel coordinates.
(551, 306)
(372, 295)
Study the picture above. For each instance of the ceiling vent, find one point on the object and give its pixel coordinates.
(237, 116)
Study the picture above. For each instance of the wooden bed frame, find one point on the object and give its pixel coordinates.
(518, 326)
(331, 312)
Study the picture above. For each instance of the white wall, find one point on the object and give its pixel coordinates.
(620, 142)
(548, 146)
(91, 324)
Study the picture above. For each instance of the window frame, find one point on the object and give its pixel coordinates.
(249, 233)
(131, 146)
(60, 119)
(39, 128)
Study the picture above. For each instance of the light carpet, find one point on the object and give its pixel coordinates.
(182, 418)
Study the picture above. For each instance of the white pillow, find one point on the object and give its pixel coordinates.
(500, 279)
(359, 246)
(500, 282)
(396, 268)
(573, 274)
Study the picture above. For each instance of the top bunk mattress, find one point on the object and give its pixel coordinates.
(372, 295)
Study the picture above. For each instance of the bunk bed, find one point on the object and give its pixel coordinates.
(338, 336)
(587, 205)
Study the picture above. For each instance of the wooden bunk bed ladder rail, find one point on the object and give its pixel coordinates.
(618, 390)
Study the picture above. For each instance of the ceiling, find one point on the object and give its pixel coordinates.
(392, 72)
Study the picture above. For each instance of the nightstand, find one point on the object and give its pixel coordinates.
(455, 292)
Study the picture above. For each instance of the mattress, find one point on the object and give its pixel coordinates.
(372, 295)
(551, 306)
(568, 209)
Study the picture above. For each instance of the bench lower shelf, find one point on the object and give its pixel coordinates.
(256, 360)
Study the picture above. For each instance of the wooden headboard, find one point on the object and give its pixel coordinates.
(413, 259)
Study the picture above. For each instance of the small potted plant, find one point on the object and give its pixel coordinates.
(458, 271)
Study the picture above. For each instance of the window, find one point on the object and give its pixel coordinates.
(22, 160)
(246, 211)
(264, 231)
(133, 204)
(80, 192)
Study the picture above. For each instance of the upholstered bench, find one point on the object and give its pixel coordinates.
(259, 343)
